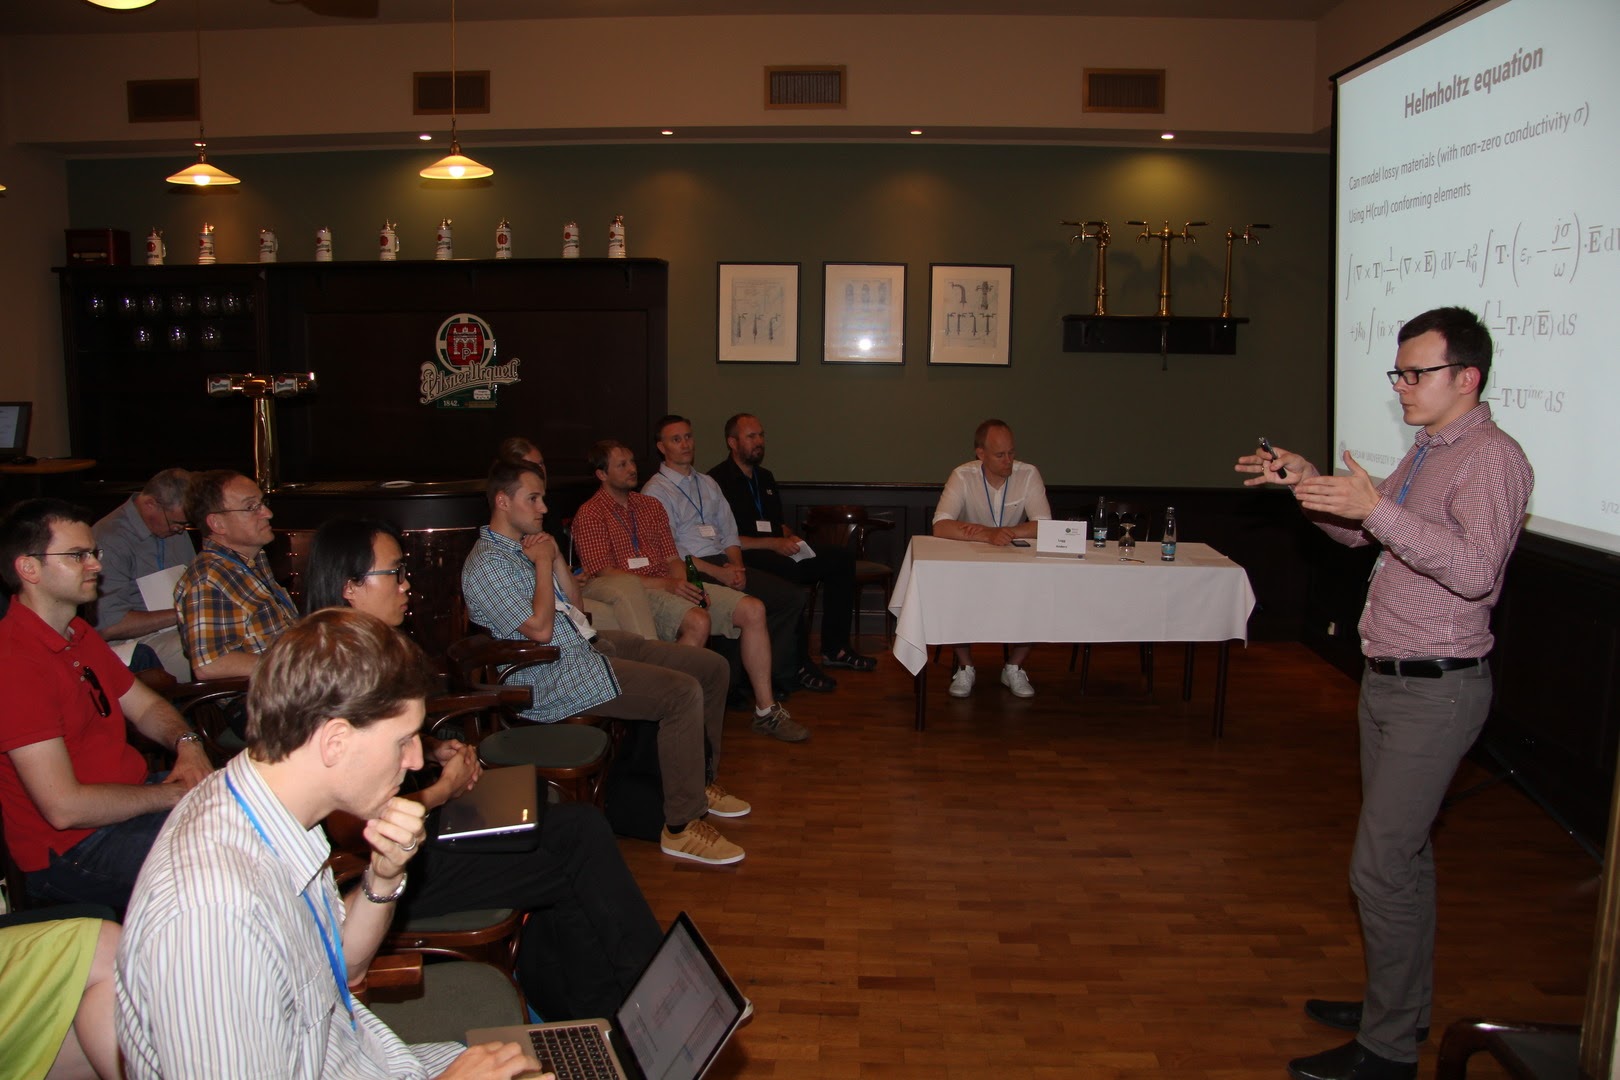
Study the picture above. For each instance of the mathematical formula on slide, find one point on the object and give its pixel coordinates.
(1550, 251)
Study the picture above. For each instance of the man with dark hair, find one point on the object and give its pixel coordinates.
(1447, 518)
(231, 606)
(144, 536)
(993, 499)
(770, 545)
(704, 529)
(234, 960)
(517, 448)
(79, 811)
(519, 587)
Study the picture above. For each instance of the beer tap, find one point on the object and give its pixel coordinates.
(1248, 237)
(263, 390)
(1164, 236)
(1098, 231)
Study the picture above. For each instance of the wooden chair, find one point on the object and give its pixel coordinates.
(572, 758)
(849, 526)
(11, 875)
(1525, 1051)
(474, 987)
(208, 707)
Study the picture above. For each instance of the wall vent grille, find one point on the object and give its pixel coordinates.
(153, 101)
(1124, 90)
(430, 92)
(820, 86)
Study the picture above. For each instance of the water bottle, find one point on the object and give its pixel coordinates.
(1099, 524)
(695, 580)
(1167, 546)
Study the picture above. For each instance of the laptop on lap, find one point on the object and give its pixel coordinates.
(681, 1012)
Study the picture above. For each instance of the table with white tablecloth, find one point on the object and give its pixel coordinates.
(952, 592)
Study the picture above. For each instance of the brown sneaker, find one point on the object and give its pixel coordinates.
(724, 804)
(700, 842)
(779, 725)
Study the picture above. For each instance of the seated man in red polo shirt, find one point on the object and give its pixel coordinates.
(80, 815)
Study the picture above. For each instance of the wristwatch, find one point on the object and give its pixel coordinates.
(365, 887)
(185, 737)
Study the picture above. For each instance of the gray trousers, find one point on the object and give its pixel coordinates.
(683, 690)
(1413, 734)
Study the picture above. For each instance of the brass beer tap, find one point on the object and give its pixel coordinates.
(1248, 237)
(1098, 231)
(1164, 236)
(263, 390)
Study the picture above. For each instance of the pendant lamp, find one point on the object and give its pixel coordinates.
(200, 174)
(455, 165)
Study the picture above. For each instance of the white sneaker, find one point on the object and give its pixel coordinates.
(962, 681)
(1014, 679)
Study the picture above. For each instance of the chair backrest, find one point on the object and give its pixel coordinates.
(480, 662)
(11, 875)
(840, 526)
(208, 707)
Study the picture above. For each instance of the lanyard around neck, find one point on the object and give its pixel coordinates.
(1417, 463)
(698, 505)
(329, 937)
(1000, 514)
(630, 513)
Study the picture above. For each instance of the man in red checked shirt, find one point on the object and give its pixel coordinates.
(1447, 518)
(621, 534)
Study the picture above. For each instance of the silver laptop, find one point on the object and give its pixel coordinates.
(504, 802)
(674, 1023)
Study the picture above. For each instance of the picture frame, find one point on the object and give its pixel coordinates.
(970, 315)
(757, 313)
(863, 314)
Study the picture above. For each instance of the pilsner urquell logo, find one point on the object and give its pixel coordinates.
(465, 375)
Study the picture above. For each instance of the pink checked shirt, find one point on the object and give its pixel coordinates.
(1447, 545)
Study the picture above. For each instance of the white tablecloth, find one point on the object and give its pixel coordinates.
(951, 591)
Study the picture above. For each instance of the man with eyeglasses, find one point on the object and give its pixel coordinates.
(1447, 518)
(146, 535)
(231, 606)
(79, 812)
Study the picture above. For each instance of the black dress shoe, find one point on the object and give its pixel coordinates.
(1344, 1015)
(1352, 1061)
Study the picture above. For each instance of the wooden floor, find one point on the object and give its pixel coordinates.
(1092, 886)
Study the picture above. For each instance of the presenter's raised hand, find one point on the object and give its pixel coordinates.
(1266, 470)
(1349, 497)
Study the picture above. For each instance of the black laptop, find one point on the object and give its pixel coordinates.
(676, 1019)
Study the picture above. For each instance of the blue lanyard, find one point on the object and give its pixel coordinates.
(698, 506)
(753, 488)
(158, 541)
(1001, 513)
(635, 541)
(556, 588)
(1417, 463)
(328, 938)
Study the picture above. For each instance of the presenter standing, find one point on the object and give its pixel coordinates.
(1448, 518)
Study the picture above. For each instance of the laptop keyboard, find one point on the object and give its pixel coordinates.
(573, 1053)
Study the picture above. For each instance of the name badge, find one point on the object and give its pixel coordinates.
(706, 531)
(763, 527)
(637, 563)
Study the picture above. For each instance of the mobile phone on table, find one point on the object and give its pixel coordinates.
(1020, 543)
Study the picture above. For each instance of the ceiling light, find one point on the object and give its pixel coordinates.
(666, 131)
(455, 165)
(916, 131)
(1168, 135)
(121, 5)
(200, 174)
(425, 137)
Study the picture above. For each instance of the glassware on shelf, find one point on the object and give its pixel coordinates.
(152, 305)
(178, 338)
(209, 336)
(180, 302)
(207, 303)
(143, 337)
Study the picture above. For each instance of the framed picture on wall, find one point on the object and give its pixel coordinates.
(970, 315)
(863, 313)
(758, 309)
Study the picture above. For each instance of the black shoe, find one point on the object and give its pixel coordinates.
(1344, 1015)
(1352, 1061)
(849, 658)
(812, 679)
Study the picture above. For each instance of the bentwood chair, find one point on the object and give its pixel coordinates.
(578, 747)
(11, 875)
(849, 526)
(436, 995)
(1524, 1051)
(210, 708)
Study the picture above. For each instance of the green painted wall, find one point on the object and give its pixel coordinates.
(1084, 419)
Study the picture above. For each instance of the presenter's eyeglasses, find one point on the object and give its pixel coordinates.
(1411, 375)
(77, 556)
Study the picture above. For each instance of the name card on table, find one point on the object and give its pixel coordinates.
(1061, 538)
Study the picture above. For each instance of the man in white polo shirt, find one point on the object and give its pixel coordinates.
(993, 499)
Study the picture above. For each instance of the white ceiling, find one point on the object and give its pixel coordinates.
(81, 17)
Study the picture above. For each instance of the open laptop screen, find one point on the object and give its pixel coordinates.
(14, 420)
(679, 1014)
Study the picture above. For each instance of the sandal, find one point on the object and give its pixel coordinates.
(848, 658)
(814, 681)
